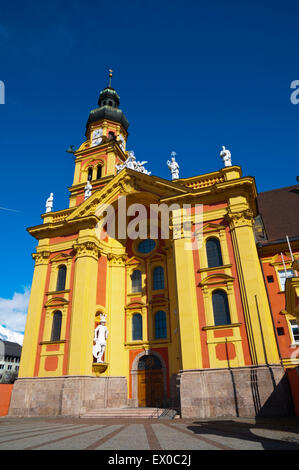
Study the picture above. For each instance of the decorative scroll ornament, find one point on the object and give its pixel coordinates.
(100, 339)
(133, 164)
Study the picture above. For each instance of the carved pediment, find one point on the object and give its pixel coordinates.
(217, 278)
(127, 182)
(56, 302)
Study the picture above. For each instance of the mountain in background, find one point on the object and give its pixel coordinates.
(8, 335)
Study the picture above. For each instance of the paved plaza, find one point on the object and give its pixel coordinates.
(148, 434)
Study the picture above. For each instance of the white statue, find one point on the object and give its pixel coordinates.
(100, 339)
(226, 156)
(49, 203)
(131, 161)
(173, 166)
(87, 190)
(132, 164)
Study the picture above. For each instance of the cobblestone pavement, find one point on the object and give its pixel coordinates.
(140, 434)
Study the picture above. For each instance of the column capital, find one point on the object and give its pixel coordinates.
(239, 219)
(41, 257)
(117, 259)
(87, 248)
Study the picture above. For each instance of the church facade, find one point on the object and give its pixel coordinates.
(162, 320)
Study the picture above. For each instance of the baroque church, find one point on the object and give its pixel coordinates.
(171, 322)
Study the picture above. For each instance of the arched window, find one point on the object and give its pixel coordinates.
(89, 177)
(137, 327)
(158, 277)
(136, 281)
(160, 325)
(220, 308)
(99, 172)
(56, 326)
(214, 256)
(61, 277)
(111, 135)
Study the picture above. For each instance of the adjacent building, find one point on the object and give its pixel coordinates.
(10, 354)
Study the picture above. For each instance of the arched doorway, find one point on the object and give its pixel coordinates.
(150, 381)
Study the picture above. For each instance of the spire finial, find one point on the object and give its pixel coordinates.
(110, 77)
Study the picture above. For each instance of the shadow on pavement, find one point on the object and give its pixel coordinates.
(246, 431)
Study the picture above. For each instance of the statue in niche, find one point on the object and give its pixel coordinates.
(100, 339)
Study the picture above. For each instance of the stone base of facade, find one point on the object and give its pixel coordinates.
(237, 392)
(67, 395)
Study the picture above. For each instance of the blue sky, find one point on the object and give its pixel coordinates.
(192, 76)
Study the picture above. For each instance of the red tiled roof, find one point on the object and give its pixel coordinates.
(279, 209)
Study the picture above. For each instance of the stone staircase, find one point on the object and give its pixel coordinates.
(128, 413)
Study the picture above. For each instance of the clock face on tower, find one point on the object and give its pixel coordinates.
(96, 137)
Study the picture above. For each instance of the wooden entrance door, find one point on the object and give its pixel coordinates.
(150, 387)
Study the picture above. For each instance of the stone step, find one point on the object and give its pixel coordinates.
(129, 413)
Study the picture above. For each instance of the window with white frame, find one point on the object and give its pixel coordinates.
(295, 330)
(283, 275)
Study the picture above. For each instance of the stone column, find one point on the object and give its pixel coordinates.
(83, 309)
(30, 344)
(116, 315)
(257, 313)
(187, 304)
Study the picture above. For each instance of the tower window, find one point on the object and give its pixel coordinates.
(136, 281)
(99, 171)
(61, 277)
(137, 327)
(160, 325)
(89, 177)
(220, 308)
(56, 326)
(111, 135)
(213, 250)
(158, 277)
(110, 103)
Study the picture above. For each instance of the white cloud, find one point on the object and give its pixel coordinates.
(13, 311)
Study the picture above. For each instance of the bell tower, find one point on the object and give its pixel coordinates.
(104, 147)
